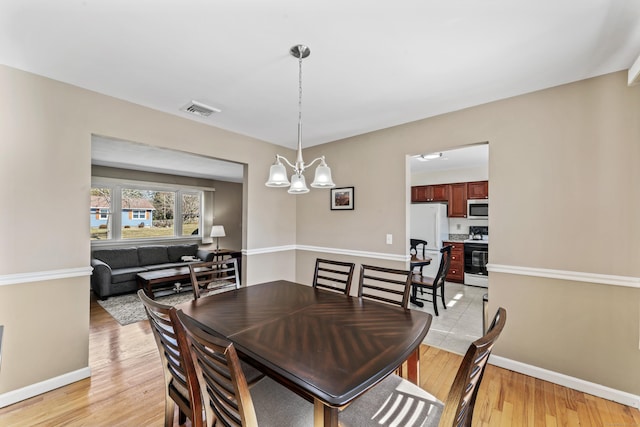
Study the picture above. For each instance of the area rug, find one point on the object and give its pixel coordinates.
(127, 309)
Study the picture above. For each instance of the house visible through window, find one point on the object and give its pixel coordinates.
(122, 212)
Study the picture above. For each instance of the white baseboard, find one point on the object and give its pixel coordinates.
(567, 381)
(32, 390)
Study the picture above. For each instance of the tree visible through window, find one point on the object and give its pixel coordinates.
(190, 214)
(100, 220)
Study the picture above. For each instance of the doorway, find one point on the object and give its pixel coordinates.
(461, 322)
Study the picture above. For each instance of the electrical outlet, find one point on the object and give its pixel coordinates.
(389, 239)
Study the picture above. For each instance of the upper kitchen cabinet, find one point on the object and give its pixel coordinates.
(430, 193)
(458, 200)
(478, 190)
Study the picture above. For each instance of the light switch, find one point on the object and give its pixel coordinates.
(389, 239)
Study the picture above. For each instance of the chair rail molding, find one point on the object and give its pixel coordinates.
(576, 276)
(39, 276)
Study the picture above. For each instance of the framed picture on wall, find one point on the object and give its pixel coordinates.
(342, 199)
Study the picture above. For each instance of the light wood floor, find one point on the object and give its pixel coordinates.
(126, 389)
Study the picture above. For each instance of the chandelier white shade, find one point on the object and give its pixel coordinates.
(278, 172)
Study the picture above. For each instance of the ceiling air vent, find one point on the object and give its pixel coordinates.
(199, 109)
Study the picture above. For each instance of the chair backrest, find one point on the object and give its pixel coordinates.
(220, 379)
(333, 275)
(443, 269)
(413, 246)
(458, 408)
(385, 284)
(176, 363)
(214, 276)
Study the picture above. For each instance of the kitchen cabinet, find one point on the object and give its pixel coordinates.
(430, 193)
(456, 268)
(458, 200)
(478, 190)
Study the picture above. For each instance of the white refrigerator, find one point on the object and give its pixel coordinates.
(429, 222)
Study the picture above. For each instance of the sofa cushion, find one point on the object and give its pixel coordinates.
(176, 252)
(118, 258)
(120, 275)
(149, 255)
(165, 266)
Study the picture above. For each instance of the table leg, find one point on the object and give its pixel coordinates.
(323, 415)
(413, 367)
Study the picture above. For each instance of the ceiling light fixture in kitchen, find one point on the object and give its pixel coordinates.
(427, 157)
(278, 173)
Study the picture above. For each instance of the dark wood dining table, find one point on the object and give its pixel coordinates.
(326, 346)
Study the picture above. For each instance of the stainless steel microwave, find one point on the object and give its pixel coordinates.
(478, 209)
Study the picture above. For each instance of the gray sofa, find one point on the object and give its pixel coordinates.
(115, 270)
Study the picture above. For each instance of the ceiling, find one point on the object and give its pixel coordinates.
(130, 155)
(372, 65)
(469, 157)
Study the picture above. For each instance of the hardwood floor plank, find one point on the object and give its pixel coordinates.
(126, 389)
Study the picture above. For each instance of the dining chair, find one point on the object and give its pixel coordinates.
(333, 275)
(432, 284)
(413, 246)
(221, 387)
(395, 401)
(174, 365)
(387, 285)
(214, 276)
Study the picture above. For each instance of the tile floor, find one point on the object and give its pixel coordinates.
(461, 323)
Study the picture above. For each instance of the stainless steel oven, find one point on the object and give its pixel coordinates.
(476, 257)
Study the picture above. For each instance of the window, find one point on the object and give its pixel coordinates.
(100, 220)
(139, 214)
(190, 213)
(123, 212)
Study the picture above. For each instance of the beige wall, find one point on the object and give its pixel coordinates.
(46, 167)
(554, 155)
(563, 171)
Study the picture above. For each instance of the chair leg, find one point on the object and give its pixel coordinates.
(434, 298)
(182, 417)
(169, 409)
(444, 304)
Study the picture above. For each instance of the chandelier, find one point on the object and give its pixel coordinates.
(278, 172)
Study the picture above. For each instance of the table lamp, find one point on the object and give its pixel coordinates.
(217, 231)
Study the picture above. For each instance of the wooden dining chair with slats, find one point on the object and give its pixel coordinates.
(390, 286)
(221, 387)
(432, 284)
(214, 276)
(174, 365)
(333, 275)
(395, 401)
(386, 285)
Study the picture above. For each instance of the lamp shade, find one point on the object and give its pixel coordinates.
(277, 175)
(323, 177)
(298, 184)
(217, 231)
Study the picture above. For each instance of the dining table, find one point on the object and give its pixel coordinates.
(327, 347)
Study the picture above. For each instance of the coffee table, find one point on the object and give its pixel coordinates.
(155, 278)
